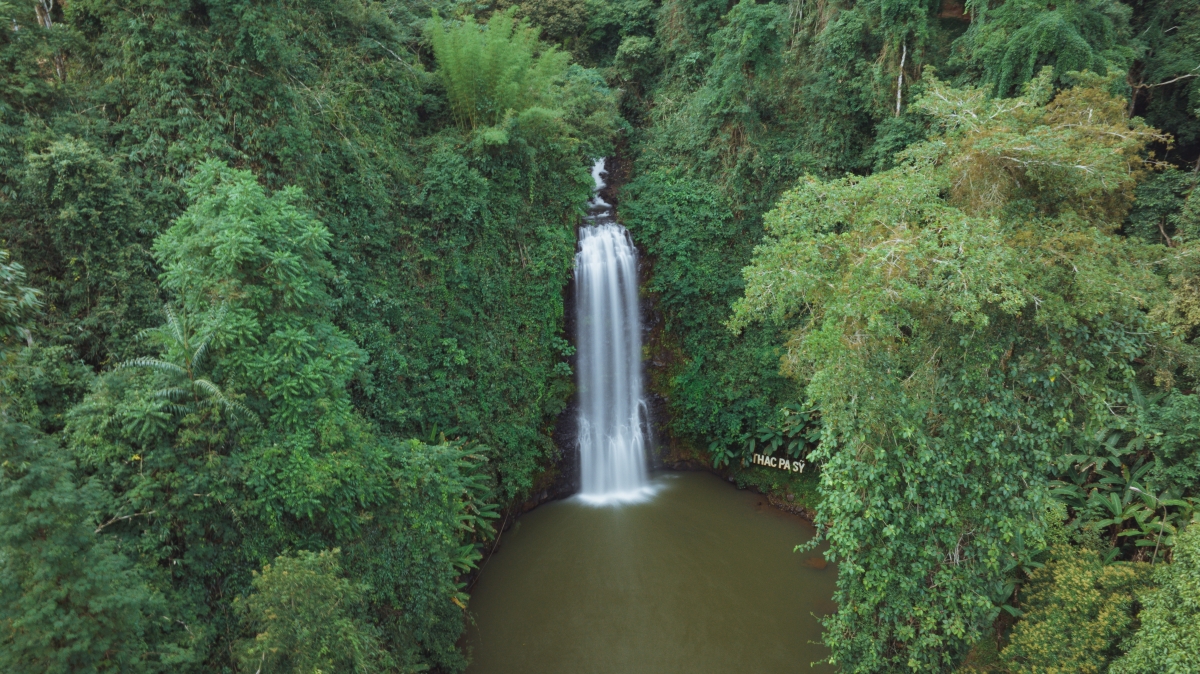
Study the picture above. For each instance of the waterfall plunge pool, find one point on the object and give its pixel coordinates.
(699, 578)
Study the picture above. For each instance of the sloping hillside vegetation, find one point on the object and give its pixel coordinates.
(287, 302)
(970, 306)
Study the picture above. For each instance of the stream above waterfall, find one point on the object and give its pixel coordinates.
(701, 578)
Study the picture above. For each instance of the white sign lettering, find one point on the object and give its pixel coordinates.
(778, 462)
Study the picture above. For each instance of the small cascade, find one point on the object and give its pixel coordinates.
(613, 420)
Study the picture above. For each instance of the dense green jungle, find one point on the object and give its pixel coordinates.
(283, 336)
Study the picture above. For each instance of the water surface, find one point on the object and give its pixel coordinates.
(701, 578)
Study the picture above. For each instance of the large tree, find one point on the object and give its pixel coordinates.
(964, 317)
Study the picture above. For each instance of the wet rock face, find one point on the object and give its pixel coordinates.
(566, 426)
(566, 441)
(656, 404)
(656, 407)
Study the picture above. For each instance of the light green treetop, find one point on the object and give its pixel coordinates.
(495, 69)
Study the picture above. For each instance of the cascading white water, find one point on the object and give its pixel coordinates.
(612, 411)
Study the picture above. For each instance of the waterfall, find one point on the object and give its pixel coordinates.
(612, 411)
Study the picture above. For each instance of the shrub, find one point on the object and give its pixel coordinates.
(494, 70)
(1168, 640)
(303, 613)
(1078, 610)
(69, 601)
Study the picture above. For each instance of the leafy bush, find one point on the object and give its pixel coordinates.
(1010, 43)
(635, 58)
(558, 20)
(83, 239)
(307, 618)
(18, 304)
(1166, 82)
(722, 388)
(1156, 213)
(69, 599)
(1167, 640)
(264, 260)
(495, 70)
(1077, 611)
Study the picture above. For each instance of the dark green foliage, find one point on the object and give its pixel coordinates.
(411, 553)
(635, 59)
(749, 97)
(41, 384)
(1008, 44)
(28, 82)
(69, 601)
(83, 238)
(697, 218)
(18, 303)
(1155, 217)
(1167, 81)
(724, 386)
(559, 20)
(610, 22)
(1174, 426)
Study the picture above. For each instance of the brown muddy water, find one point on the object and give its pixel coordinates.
(700, 578)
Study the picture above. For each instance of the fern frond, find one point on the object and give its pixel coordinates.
(234, 408)
(176, 328)
(237, 409)
(173, 394)
(200, 352)
(154, 364)
(216, 317)
(179, 410)
(208, 387)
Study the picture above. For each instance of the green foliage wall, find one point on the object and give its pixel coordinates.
(1167, 82)
(307, 243)
(71, 601)
(83, 236)
(739, 101)
(955, 337)
(1010, 43)
(344, 268)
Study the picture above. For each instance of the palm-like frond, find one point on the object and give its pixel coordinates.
(234, 408)
(175, 326)
(175, 394)
(206, 337)
(189, 392)
(154, 364)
